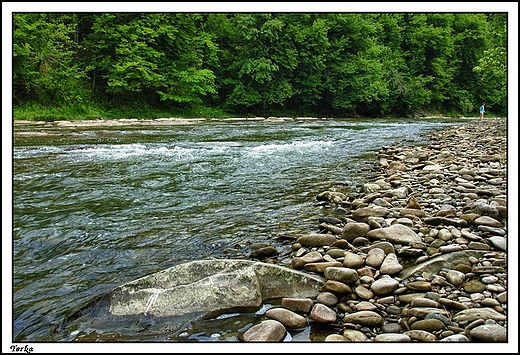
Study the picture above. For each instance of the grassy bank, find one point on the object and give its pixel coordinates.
(42, 113)
(80, 112)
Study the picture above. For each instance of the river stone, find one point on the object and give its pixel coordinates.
(482, 208)
(433, 167)
(371, 197)
(315, 239)
(382, 202)
(455, 232)
(341, 244)
(365, 271)
(468, 235)
(330, 220)
(335, 253)
(421, 335)
(362, 214)
(328, 299)
(487, 221)
(423, 302)
(450, 248)
(363, 292)
(322, 314)
(489, 279)
(399, 193)
(371, 187)
(287, 317)
(268, 331)
(396, 166)
(335, 338)
(444, 234)
(411, 211)
(391, 265)
(366, 280)
(353, 230)
(320, 267)
(396, 233)
(331, 228)
(422, 312)
(451, 303)
(302, 305)
(430, 325)
(191, 291)
(392, 328)
(264, 252)
(412, 203)
(490, 302)
(478, 246)
(474, 286)
(502, 297)
(392, 338)
(365, 318)
(495, 288)
(455, 338)
(375, 257)
(436, 191)
(364, 306)
(446, 221)
(179, 299)
(446, 211)
(436, 264)
(359, 242)
(384, 185)
(329, 196)
(335, 287)
(354, 336)
(342, 274)
(439, 316)
(455, 277)
(487, 269)
(353, 261)
(491, 333)
(405, 221)
(502, 210)
(472, 314)
(469, 217)
(409, 297)
(492, 230)
(424, 286)
(386, 246)
(384, 286)
(299, 263)
(498, 242)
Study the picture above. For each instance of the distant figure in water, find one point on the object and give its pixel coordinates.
(482, 110)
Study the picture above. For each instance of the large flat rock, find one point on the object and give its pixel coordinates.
(191, 291)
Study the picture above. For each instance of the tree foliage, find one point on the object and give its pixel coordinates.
(340, 64)
(45, 65)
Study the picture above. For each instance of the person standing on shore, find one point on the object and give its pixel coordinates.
(482, 110)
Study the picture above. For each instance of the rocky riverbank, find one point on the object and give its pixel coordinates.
(418, 255)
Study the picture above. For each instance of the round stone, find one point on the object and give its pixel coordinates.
(384, 286)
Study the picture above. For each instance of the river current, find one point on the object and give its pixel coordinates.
(96, 207)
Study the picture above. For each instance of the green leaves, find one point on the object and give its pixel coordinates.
(329, 63)
(44, 59)
(163, 54)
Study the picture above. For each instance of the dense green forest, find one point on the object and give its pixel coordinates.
(110, 65)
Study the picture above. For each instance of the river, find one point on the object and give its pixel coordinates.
(95, 207)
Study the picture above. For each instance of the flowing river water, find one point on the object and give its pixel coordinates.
(96, 207)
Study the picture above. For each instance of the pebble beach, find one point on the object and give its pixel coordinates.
(419, 254)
